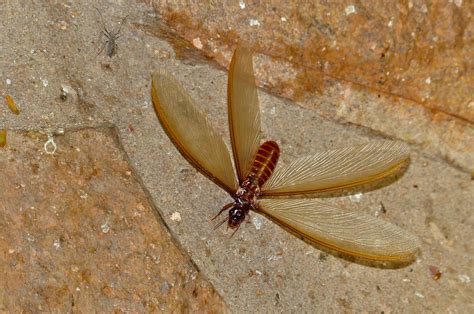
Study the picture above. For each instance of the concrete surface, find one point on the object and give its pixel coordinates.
(61, 85)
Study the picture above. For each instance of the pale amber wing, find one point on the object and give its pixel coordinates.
(190, 131)
(244, 112)
(337, 169)
(358, 235)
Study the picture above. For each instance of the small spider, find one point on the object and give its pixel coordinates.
(110, 44)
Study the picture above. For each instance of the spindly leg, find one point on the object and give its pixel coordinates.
(220, 223)
(102, 49)
(234, 230)
(226, 207)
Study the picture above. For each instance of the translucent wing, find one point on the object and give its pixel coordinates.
(337, 169)
(190, 131)
(358, 235)
(244, 113)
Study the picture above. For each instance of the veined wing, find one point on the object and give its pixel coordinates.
(337, 169)
(190, 131)
(358, 235)
(244, 113)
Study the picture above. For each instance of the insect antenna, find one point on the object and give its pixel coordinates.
(102, 19)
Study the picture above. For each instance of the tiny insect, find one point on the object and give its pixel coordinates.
(110, 43)
(11, 104)
(434, 272)
(283, 193)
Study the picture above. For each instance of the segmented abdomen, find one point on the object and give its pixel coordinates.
(265, 162)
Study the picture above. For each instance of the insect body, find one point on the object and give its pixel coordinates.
(283, 193)
(110, 43)
(249, 190)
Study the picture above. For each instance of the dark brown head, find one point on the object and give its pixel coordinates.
(237, 213)
(236, 217)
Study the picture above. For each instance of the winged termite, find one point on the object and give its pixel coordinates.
(261, 186)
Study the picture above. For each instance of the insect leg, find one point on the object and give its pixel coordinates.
(235, 231)
(121, 24)
(106, 34)
(103, 46)
(220, 223)
(226, 207)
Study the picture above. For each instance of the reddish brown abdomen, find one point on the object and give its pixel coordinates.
(265, 162)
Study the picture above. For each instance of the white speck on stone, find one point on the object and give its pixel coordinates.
(165, 287)
(57, 244)
(78, 289)
(350, 9)
(273, 110)
(45, 82)
(410, 5)
(257, 222)
(356, 197)
(464, 278)
(283, 19)
(11, 251)
(390, 23)
(8, 81)
(140, 207)
(458, 3)
(175, 216)
(273, 258)
(419, 295)
(428, 80)
(30, 238)
(406, 280)
(197, 43)
(258, 272)
(242, 4)
(424, 8)
(105, 228)
(254, 22)
(68, 90)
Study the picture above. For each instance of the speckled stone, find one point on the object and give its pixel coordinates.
(372, 63)
(77, 232)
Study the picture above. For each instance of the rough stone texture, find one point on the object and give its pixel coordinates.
(77, 233)
(406, 61)
(49, 54)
